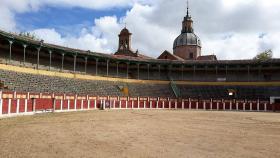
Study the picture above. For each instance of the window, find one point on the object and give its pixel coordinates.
(181, 41)
(191, 56)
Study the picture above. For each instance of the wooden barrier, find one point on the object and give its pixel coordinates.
(17, 103)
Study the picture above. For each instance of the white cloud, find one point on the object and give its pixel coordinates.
(7, 22)
(49, 35)
(230, 29)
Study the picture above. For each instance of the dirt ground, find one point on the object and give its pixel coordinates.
(151, 133)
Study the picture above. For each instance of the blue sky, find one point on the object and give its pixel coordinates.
(228, 28)
(64, 20)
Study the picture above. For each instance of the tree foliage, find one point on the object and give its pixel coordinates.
(28, 35)
(266, 55)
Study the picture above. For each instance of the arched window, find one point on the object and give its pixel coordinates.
(191, 56)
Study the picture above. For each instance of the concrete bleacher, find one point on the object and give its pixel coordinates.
(25, 82)
(222, 92)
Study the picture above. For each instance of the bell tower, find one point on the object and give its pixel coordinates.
(124, 40)
(125, 43)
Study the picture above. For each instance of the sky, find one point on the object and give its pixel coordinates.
(230, 29)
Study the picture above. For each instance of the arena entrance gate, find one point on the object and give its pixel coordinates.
(275, 102)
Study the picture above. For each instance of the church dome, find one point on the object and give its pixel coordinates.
(125, 31)
(187, 39)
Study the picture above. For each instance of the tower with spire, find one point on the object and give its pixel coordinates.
(187, 45)
(125, 43)
(187, 25)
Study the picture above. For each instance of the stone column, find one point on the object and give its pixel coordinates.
(138, 73)
(159, 71)
(24, 53)
(38, 57)
(216, 72)
(117, 69)
(248, 75)
(259, 73)
(226, 71)
(38, 53)
(50, 59)
(86, 60)
(194, 68)
(127, 70)
(182, 69)
(108, 67)
(75, 61)
(11, 43)
(148, 71)
(62, 61)
(96, 66)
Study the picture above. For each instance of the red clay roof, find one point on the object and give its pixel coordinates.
(207, 57)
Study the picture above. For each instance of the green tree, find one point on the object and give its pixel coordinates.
(28, 35)
(266, 55)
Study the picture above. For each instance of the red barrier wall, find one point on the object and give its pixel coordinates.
(160, 106)
(247, 106)
(154, 104)
(123, 104)
(261, 106)
(21, 105)
(5, 104)
(65, 104)
(227, 105)
(186, 104)
(269, 107)
(91, 105)
(13, 105)
(214, 105)
(166, 104)
(43, 104)
(179, 105)
(254, 106)
(141, 104)
(135, 104)
(29, 105)
(207, 106)
(44, 101)
(200, 105)
(193, 105)
(79, 104)
(129, 104)
(221, 106)
(277, 106)
(57, 104)
(117, 104)
(233, 106)
(172, 104)
(71, 104)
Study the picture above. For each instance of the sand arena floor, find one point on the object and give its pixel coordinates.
(151, 133)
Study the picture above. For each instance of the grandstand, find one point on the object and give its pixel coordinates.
(36, 76)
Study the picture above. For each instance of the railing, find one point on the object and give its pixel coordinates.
(175, 89)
